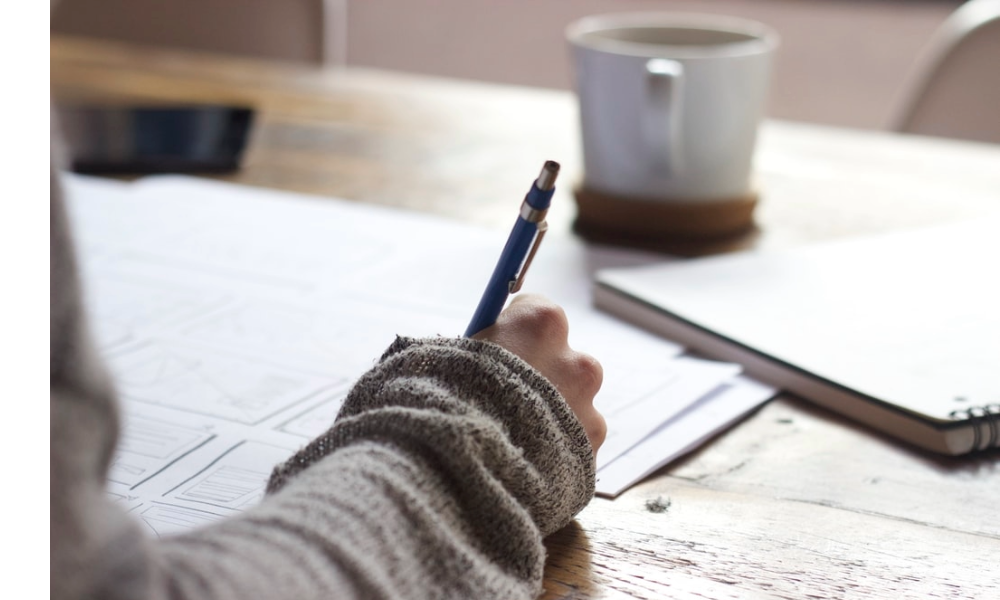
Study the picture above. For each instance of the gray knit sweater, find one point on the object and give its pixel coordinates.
(448, 464)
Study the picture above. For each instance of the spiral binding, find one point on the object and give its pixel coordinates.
(988, 415)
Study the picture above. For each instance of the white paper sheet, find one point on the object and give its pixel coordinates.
(234, 320)
(643, 402)
(683, 433)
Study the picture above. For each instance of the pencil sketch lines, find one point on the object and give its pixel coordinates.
(289, 255)
(315, 420)
(227, 387)
(345, 334)
(122, 307)
(235, 480)
(227, 485)
(165, 519)
(147, 446)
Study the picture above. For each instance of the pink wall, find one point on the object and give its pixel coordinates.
(842, 62)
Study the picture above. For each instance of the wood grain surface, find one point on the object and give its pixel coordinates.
(794, 502)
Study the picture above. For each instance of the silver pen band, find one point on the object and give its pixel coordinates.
(532, 214)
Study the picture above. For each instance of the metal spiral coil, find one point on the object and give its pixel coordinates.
(988, 415)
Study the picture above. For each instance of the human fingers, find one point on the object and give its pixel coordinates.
(536, 329)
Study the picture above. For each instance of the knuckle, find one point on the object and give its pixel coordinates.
(549, 321)
(588, 373)
(598, 431)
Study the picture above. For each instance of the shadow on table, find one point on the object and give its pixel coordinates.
(568, 570)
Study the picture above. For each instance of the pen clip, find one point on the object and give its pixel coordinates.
(515, 286)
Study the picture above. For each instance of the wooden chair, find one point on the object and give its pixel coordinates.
(955, 89)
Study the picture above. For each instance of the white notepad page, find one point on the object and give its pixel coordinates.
(910, 318)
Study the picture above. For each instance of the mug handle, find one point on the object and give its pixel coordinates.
(664, 80)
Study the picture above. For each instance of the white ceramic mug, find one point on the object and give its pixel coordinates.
(670, 103)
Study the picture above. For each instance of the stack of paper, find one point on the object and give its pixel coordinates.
(234, 320)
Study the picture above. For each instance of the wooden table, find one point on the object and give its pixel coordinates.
(794, 502)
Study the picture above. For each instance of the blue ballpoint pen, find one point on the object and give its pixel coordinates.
(518, 252)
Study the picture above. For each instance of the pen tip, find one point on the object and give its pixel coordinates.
(547, 179)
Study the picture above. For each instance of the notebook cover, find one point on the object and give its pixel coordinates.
(893, 328)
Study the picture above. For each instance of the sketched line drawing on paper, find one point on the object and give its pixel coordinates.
(148, 446)
(121, 308)
(228, 387)
(347, 334)
(166, 519)
(315, 420)
(235, 480)
(278, 254)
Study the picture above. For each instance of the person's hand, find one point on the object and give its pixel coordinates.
(536, 329)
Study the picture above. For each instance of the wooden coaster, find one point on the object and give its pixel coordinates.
(677, 226)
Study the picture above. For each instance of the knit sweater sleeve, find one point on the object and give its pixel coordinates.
(448, 464)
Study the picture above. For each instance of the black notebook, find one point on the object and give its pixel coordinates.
(898, 331)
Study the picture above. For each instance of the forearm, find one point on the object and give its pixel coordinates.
(490, 449)
(476, 410)
(368, 521)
